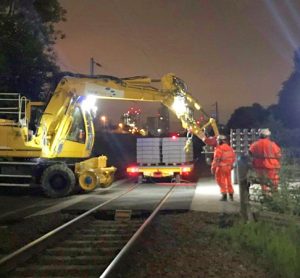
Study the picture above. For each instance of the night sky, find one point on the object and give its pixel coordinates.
(235, 52)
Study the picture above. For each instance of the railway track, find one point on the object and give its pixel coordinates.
(84, 247)
(84, 254)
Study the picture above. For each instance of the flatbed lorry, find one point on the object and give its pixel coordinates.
(159, 158)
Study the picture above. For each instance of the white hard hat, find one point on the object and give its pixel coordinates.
(221, 137)
(264, 132)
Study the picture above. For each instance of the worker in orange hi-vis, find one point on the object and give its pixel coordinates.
(266, 156)
(224, 158)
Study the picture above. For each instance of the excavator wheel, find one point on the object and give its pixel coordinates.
(58, 181)
(109, 178)
(88, 181)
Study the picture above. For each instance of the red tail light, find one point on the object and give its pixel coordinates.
(132, 170)
(186, 170)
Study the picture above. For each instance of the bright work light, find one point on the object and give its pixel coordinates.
(88, 104)
(179, 106)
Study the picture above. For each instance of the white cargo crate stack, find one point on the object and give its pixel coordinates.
(148, 150)
(173, 151)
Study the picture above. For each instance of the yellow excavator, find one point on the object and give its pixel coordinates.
(50, 143)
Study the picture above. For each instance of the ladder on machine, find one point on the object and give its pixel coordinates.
(13, 108)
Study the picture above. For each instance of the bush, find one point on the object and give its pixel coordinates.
(277, 248)
(287, 199)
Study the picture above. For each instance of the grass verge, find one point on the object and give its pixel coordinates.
(276, 248)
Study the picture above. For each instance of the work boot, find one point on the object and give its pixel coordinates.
(224, 197)
(231, 196)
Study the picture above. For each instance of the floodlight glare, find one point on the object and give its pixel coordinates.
(179, 106)
(88, 104)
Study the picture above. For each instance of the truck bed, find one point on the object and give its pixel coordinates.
(161, 158)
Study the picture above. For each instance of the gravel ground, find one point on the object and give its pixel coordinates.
(15, 235)
(185, 245)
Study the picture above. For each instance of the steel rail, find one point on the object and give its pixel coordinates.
(7, 260)
(113, 265)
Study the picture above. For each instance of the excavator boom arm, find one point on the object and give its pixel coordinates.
(172, 92)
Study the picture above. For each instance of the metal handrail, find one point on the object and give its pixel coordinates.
(7, 112)
(10, 99)
(19, 109)
(22, 100)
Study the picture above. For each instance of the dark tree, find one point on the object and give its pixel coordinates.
(273, 111)
(289, 97)
(248, 117)
(27, 36)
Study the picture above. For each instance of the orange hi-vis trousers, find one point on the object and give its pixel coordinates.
(223, 179)
(268, 174)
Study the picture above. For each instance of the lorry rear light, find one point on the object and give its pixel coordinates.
(186, 170)
(132, 170)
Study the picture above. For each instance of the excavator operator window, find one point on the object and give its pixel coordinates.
(77, 132)
(35, 116)
(90, 134)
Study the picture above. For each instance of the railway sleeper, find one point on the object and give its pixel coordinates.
(95, 244)
(61, 251)
(94, 237)
(73, 260)
(102, 232)
(65, 271)
(114, 226)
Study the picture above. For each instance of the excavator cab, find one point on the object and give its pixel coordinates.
(80, 136)
(77, 132)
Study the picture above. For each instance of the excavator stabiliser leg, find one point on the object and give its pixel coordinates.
(93, 172)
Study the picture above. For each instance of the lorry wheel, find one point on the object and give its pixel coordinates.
(58, 181)
(140, 179)
(177, 178)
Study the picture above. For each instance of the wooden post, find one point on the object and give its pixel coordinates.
(242, 169)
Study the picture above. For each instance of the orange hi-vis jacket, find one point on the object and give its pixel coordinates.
(223, 156)
(266, 154)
